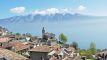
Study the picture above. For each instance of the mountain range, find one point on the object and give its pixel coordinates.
(49, 18)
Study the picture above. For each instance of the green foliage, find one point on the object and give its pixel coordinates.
(93, 48)
(18, 34)
(60, 42)
(23, 34)
(62, 38)
(91, 51)
(86, 53)
(98, 50)
(28, 35)
(11, 32)
(89, 54)
(82, 52)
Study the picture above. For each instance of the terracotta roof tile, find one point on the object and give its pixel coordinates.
(10, 54)
(71, 49)
(20, 46)
(43, 48)
(4, 39)
(6, 46)
(56, 46)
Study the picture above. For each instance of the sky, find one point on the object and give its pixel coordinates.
(10, 8)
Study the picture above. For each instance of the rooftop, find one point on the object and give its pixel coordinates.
(56, 46)
(71, 49)
(4, 40)
(43, 48)
(9, 54)
(20, 46)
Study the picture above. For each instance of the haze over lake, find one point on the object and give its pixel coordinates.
(81, 31)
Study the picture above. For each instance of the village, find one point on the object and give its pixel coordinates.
(46, 47)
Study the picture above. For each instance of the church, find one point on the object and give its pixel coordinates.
(46, 35)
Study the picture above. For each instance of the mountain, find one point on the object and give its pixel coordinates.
(43, 18)
(77, 27)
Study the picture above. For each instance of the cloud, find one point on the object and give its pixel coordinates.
(50, 11)
(81, 8)
(18, 10)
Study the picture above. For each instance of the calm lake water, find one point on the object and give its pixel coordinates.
(81, 31)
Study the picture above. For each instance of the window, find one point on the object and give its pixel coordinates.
(42, 58)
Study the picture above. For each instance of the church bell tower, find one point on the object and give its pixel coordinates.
(43, 32)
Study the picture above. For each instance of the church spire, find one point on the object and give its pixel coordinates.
(43, 32)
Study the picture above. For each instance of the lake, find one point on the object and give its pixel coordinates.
(81, 31)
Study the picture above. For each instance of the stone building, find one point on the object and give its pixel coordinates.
(40, 53)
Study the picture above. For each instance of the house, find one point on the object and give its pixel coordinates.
(20, 48)
(3, 31)
(56, 50)
(56, 46)
(55, 57)
(101, 55)
(71, 51)
(24, 41)
(15, 37)
(33, 38)
(70, 54)
(49, 35)
(5, 43)
(9, 55)
(40, 53)
(61, 52)
(11, 36)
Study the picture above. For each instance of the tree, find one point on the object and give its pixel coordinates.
(75, 45)
(18, 34)
(62, 38)
(23, 34)
(89, 54)
(93, 48)
(98, 50)
(11, 33)
(82, 52)
(28, 34)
